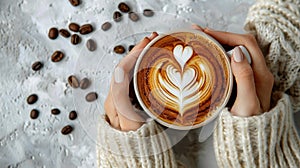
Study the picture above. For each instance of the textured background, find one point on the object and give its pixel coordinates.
(24, 25)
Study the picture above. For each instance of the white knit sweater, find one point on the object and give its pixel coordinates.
(267, 140)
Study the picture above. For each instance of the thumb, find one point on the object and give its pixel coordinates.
(247, 102)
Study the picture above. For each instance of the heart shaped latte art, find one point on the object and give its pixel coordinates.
(181, 82)
(183, 87)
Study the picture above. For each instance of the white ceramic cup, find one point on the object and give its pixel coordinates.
(209, 127)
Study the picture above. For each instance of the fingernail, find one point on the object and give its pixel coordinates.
(237, 54)
(152, 35)
(119, 75)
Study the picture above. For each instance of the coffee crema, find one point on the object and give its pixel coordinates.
(183, 78)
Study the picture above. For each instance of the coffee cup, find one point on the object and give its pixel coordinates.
(183, 79)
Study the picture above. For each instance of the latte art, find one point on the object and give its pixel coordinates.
(182, 78)
(182, 88)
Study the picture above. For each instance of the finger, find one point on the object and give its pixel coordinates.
(128, 118)
(110, 111)
(264, 86)
(197, 27)
(262, 75)
(233, 39)
(128, 62)
(115, 122)
(246, 103)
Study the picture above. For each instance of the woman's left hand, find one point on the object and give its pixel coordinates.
(118, 108)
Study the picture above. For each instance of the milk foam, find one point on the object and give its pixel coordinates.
(183, 87)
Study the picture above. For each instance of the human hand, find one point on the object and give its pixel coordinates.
(118, 108)
(255, 81)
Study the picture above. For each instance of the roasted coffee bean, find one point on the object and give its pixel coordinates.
(92, 96)
(105, 26)
(133, 16)
(123, 7)
(130, 47)
(37, 66)
(72, 115)
(57, 56)
(55, 111)
(67, 130)
(34, 114)
(148, 12)
(74, 27)
(86, 29)
(91, 45)
(84, 83)
(53, 33)
(75, 2)
(65, 33)
(73, 81)
(117, 16)
(75, 39)
(32, 99)
(119, 49)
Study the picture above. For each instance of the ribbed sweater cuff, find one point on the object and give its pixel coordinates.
(148, 146)
(267, 140)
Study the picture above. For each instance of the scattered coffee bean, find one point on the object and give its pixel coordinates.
(57, 56)
(37, 66)
(31, 99)
(123, 7)
(34, 114)
(65, 33)
(130, 47)
(55, 111)
(86, 29)
(133, 16)
(105, 26)
(84, 83)
(72, 115)
(91, 45)
(148, 12)
(117, 16)
(74, 27)
(119, 49)
(53, 33)
(67, 130)
(75, 2)
(75, 39)
(92, 96)
(73, 81)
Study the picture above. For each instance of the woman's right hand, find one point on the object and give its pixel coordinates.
(255, 81)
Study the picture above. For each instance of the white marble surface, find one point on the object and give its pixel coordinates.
(23, 32)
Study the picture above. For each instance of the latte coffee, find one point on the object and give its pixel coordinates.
(183, 79)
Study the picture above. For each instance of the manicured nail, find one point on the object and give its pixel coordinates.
(237, 54)
(153, 34)
(119, 75)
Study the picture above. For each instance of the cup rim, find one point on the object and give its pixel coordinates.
(214, 114)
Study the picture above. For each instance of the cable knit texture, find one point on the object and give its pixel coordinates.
(147, 147)
(276, 25)
(267, 140)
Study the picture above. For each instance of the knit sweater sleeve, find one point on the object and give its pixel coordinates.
(146, 147)
(267, 140)
(276, 25)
